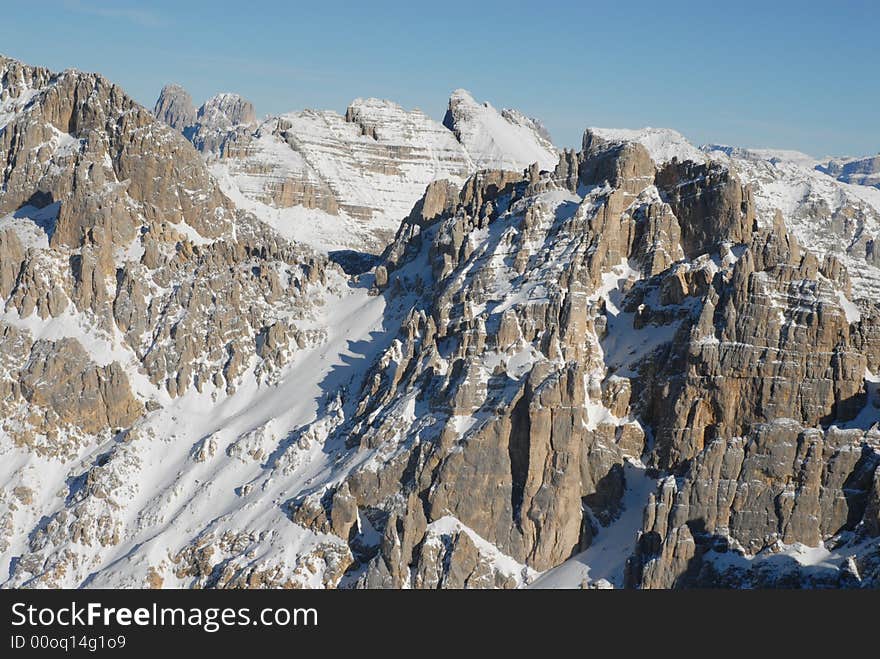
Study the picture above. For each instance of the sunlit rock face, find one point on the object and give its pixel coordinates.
(371, 350)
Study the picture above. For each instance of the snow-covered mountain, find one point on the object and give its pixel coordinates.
(829, 215)
(861, 171)
(346, 181)
(498, 140)
(641, 364)
(758, 155)
(663, 144)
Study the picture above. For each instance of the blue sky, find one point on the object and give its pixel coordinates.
(799, 75)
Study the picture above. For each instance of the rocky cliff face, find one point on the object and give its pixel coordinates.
(622, 365)
(859, 171)
(559, 335)
(830, 216)
(128, 281)
(175, 107)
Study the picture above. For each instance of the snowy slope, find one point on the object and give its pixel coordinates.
(663, 144)
(603, 563)
(772, 155)
(315, 227)
(203, 467)
(378, 159)
(498, 140)
(365, 168)
(826, 215)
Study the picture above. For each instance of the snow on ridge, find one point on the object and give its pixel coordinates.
(754, 154)
(16, 104)
(367, 168)
(663, 144)
(789, 181)
(449, 525)
(809, 201)
(376, 103)
(498, 140)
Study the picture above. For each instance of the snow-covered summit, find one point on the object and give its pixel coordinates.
(346, 181)
(663, 144)
(498, 140)
(820, 204)
(829, 215)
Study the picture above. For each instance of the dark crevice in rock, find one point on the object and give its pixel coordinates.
(518, 450)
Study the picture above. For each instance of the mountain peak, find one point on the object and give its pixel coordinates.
(374, 102)
(175, 107)
(663, 144)
(462, 95)
(227, 109)
(492, 138)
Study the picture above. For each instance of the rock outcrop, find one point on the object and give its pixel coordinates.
(831, 217)
(127, 280)
(175, 107)
(782, 484)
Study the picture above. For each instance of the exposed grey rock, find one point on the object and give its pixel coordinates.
(782, 483)
(626, 165)
(710, 203)
(228, 109)
(175, 107)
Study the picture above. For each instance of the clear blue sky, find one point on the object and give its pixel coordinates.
(800, 75)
